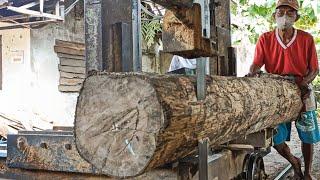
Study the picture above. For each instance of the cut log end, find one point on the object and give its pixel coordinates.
(124, 132)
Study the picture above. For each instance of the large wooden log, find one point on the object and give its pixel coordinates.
(126, 124)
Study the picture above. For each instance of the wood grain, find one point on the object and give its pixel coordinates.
(74, 89)
(127, 124)
(72, 62)
(70, 69)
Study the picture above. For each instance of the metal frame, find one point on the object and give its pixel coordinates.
(203, 148)
(27, 13)
(202, 62)
(46, 150)
(136, 34)
(25, 9)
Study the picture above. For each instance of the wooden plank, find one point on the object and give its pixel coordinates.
(122, 60)
(222, 14)
(232, 61)
(70, 69)
(70, 82)
(64, 88)
(174, 3)
(71, 75)
(69, 50)
(165, 61)
(72, 62)
(214, 66)
(183, 36)
(69, 44)
(70, 56)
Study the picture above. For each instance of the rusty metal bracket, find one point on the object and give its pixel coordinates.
(46, 150)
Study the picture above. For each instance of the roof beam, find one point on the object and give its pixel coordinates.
(34, 13)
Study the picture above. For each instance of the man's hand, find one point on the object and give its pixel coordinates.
(305, 91)
(304, 84)
(254, 71)
(254, 74)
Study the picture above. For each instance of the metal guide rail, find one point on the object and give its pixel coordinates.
(46, 150)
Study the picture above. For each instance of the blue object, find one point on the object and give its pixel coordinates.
(307, 127)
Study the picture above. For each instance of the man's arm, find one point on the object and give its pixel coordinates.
(259, 57)
(313, 66)
(254, 69)
(310, 77)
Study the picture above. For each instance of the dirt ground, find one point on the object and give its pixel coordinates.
(274, 163)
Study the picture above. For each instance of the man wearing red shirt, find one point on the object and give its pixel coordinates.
(290, 52)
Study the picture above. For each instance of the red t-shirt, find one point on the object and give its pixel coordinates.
(296, 58)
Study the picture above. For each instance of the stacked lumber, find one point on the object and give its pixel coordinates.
(126, 124)
(72, 65)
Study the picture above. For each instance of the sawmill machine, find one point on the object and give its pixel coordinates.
(206, 28)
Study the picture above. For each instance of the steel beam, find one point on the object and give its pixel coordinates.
(52, 151)
(201, 75)
(203, 146)
(93, 35)
(136, 35)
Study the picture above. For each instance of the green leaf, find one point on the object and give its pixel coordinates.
(243, 2)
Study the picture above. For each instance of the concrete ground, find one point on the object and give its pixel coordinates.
(274, 163)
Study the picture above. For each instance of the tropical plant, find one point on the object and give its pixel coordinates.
(254, 17)
(149, 30)
(151, 24)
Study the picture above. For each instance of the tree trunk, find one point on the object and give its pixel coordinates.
(127, 124)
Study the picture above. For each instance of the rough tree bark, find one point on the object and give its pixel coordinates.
(127, 124)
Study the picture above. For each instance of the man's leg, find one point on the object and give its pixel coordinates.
(284, 150)
(307, 150)
(308, 130)
(283, 134)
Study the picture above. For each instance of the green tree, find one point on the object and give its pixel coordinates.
(260, 17)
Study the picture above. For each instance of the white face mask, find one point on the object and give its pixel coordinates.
(285, 22)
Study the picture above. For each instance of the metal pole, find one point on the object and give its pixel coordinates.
(93, 35)
(136, 34)
(203, 146)
(201, 74)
